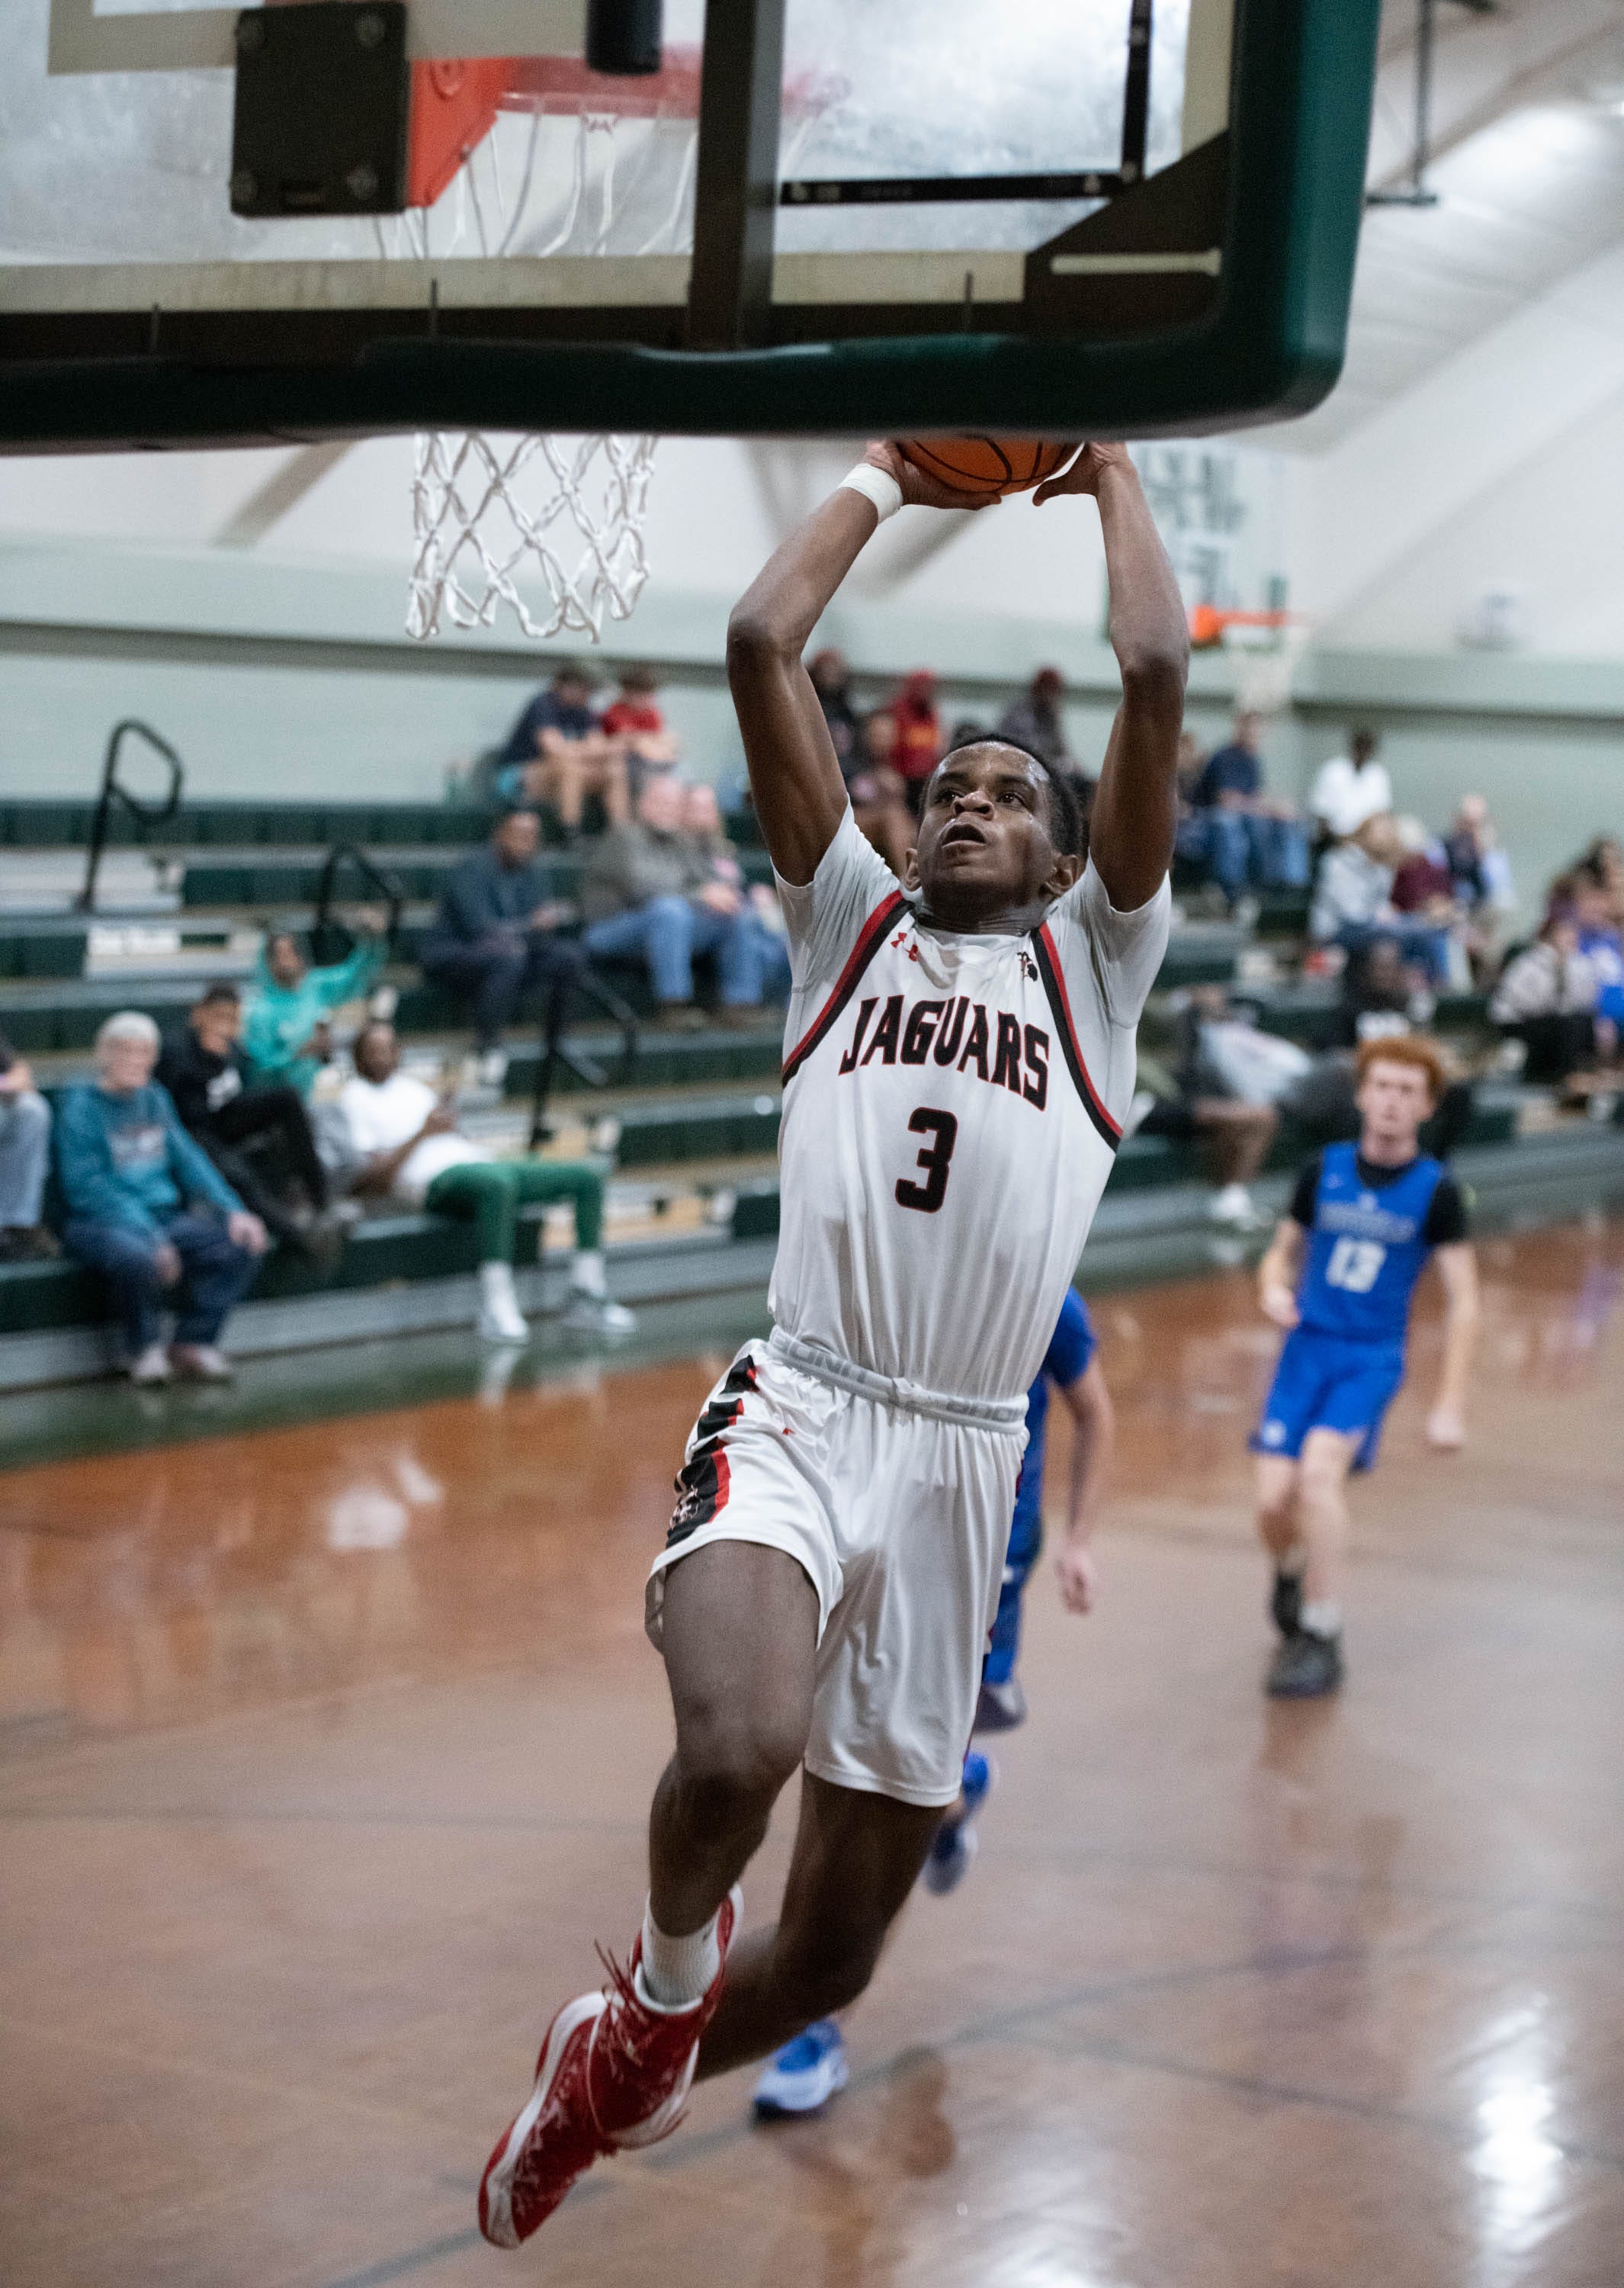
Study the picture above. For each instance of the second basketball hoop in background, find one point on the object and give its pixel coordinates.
(565, 514)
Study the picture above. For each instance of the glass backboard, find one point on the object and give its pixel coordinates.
(818, 215)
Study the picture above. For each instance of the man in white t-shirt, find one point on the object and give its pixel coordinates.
(411, 1150)
(1352, 789)
(960, 1057)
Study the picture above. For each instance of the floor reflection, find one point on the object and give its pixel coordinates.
(324, 1751)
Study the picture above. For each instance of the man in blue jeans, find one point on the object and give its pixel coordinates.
(148, 1208)
(494, 937)
(1243, 836)
(649, 891)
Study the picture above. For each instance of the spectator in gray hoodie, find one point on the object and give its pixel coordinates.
(650, 890)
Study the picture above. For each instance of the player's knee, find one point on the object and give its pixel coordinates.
(732, 1770)
(1275, 1511)
(1323, 1471)
(828, 1970)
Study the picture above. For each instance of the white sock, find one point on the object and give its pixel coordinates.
(586, 1273)
(1322, 1616)
(496, 1283)
(678, 1971)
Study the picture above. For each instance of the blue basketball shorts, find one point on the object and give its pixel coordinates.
(1323, 1383)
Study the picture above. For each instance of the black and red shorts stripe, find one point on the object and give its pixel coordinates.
(702, 1483)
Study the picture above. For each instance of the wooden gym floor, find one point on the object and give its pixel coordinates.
(324, 1752)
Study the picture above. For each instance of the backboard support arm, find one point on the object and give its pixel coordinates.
(730, 290)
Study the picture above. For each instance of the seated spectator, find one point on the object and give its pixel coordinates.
(831, 680)
(1383, 992)
(146, 1207)
(912, 730)
(1547, 999)
(557, 753)
(25, 1162)
(1352, 900)
(286, 1029)
(494, 937)
(1601, 939)
(1225, 1080)
(407, 1140)
(203, 1070)
(1350, 789)
(646, 892)
(1033, 721)
(1602, 865)
(703, 823)
(1484, 889)
(1245, 837)
(635, 722)
(1423, 884)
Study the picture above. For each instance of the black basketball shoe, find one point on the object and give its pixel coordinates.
(1286, 1603)
(1305, 1667)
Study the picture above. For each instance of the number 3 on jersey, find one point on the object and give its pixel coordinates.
(933, 1160)
(1353, 1265)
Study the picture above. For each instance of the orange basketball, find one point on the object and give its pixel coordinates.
(983, 468)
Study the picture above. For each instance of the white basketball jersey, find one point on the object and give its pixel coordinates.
(952, 1108)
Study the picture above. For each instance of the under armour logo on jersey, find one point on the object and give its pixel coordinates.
(1029, 968)
(901, 938)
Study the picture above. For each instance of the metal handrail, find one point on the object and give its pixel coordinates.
(388, 887)
(555, 1051)
(113, 791)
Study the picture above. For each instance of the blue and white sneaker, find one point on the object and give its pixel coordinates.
(806, 2074)
(955, 1838)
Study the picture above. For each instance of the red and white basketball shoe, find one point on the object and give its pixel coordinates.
(615, 2073)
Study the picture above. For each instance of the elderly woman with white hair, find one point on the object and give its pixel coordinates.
(148, 1209)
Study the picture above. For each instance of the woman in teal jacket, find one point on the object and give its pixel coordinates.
(285, 1027)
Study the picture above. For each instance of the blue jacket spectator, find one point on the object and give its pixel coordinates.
(1244, 838)
(146, 1207)
(492, 938)
(24, 1159)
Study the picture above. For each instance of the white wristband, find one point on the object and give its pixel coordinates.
(875, 485)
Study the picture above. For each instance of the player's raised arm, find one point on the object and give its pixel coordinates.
(800, 797)
(1458, 1266)
(1130, 828)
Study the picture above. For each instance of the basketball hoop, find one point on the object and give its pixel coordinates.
(489, 511)
(548, 158)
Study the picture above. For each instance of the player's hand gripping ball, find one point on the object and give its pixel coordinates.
(976, 469)
(974, 472)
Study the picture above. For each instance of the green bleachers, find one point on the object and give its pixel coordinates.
(44, 947)
(46, 825)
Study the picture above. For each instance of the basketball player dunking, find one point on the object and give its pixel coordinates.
(960, 1055)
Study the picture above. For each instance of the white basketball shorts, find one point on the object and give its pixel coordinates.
(897, 1507)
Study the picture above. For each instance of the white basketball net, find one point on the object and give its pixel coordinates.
(488, 512)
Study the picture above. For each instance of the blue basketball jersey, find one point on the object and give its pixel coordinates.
(1366, 1250)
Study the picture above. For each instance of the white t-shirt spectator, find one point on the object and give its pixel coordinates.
(1346, 797)
(380, 1117)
